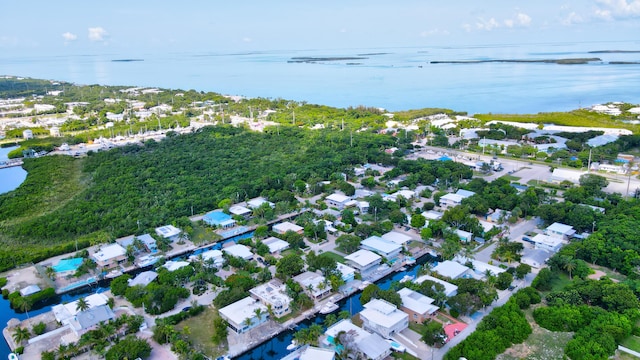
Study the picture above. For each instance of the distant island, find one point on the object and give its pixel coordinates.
(126, 60)
(571, 61)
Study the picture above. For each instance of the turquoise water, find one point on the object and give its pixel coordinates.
(10, 178)
(68, 265)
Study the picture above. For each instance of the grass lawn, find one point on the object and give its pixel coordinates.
(632, 342)
(203, 235)
(623, 356)
(560, 281)
(403, 356)
(610, 273)
(542, 344)
(510, 177)
(201, 331)
(334, 256)
(416, 327)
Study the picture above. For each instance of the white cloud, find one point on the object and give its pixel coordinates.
(69, 36)
(523, 19)
(98, 34)
(519, 20)
(572, 18)
(617, 9)
(508, 23)
(487, 25)
(246, 39)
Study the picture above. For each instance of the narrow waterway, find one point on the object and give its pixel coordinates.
(12, 177)
(276, 348)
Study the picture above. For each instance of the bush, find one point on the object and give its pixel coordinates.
(39, 328)
(3, 282)
(455, 313)
(19, 350)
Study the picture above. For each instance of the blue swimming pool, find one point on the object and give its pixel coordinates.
(68, 265)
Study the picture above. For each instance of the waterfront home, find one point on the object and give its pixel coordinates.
(380, 246)
(169, 232)
(451, 269)
(383, 318)
(347, 272)
(451, 200)
(338, 201)
(283, 227)
(560, 230)
(396, 237)
(419, 307)
(449, 288)
(109, 256)
(274, 294)
(239, 210)
(406, 194)
(143, 279)
(174, 265)
(239, 250)
(218, 219)
(90, 319)
(363, 260)
(536, 258)
(241, 315)
(366, 344)
(314, 353)
(257, 202)
(275, 245)
(213, 257)
(314, 284)
(29, 290)
(64, 313)
(548, 243)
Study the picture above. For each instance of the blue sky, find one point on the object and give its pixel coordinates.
(143, 27)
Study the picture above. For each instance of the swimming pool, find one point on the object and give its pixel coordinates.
(68, 265)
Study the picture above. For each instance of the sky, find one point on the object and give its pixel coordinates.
(33, 28)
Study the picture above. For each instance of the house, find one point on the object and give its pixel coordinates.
(498, 216)
(275, 245)
(536, 258)
(432, 215)
(363, 260)
(89, 319)
(383, 318)
(259, 201)
(347, 272)
(168, 232)
(417, 306)
(283, 227)
(241, 315)
(174, 265)
(548, 243)
(450, 200)
(314, 353)
(380, 246)
(239, 210)
(273, 294)
(337, 200)
(406, 194)
(109, 256)
(240, 251)
(464, 236)
(313, 284)
(147, 241)
(451, 269)
(29, 290)
(363, 207)
(396, 237)
(449, 288)
(219, 219)
(143, 279)
(64, 313)
(367, 345)
(560, 230)
(560, 175)
(213, 257)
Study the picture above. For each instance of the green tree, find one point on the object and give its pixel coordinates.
(120, 284)
(433, 333)
(504, 280)
(129, 348)
(522, 270)
(418, 221)
(82, 304)
(593, 184)
(21, 335)
(348, 243)
(289, 265)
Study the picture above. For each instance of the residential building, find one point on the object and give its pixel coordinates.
(257, 202)
(536, 258)
(174, 265)
(213, 257)
(64, 313)
(406, 194)
(283, 227)
(29, 290)
(449, 288)
(451, 269)
(363, 206)
(273, 294)
(148, 242)
(168, 232)
(314, 284)
(465, 193)
(240, 251)
(464, 236)
(560, 230)
(347, 272)
(498, 216)
(337, 200)
(275, 245)
(219, 219)
(314, 353)
(432, 215)
(548, 243)
(450, 200)
(383, 318)
(386, 248)
(363, 260)
(367, 345)
(397, 238)
(109, 256)
(239, 210)
(417, 306)
(241, 315)
(143, 279)
(90, 319)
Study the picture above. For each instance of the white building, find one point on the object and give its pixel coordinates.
(396, 237)
(560, 230)
(536, 258)
(548, 243)
(168, 232)
(241, 315)
(450, 200)
(275, 245)
(383, 318)
(240, 251)
(451, 269)
(417, 306)
(174, 265)
(239, 210)
(368, 345)
(363, 260)
(143, 279)
(109, 256)
(212, 256)
(337, 200)
(283, 227)
(274, 294)
(313, 284)
(386, 248)
(64, 313)
(257, 202)
(449, 288)
(347, 272)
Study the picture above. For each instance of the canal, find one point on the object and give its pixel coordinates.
(12, 177)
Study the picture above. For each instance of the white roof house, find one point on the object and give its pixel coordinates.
(275, 245)
(449, 288)
(464, 235)
(240, 251)
(560, 230)
(337, 200)
(417, 303)
(383, 318)
(175, 265)
(143, 279)
(257, 202)
(372, 346)
(396, 237)
(450, 200)
(386, 248)
(348, 273)
(85, 320)
(313, 283)
(168, 231)
(283, 227)
(273, 293)
(432, 215)
(314, 353)
(109, 255)
(465, 193)
(29, 290)
(240, 210)
(451, 269)
(65, 312)
(548, 243)
(207, 256)
(536, 258)
(363, 260)
(235, 314)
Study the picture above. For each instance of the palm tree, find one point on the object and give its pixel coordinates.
(111, 302)
(259, 313)
(247, 322)
(25, 306)
(50, 272)
(82, 304)
(20, 335)
(569, 264)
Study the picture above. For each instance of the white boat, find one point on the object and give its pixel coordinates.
(409, 261)
(13, 356)
(328, 308)
(292, 346)
(113, 274)
(407, 278)
(148, 260)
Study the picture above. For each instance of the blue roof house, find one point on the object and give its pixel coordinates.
(218, 218)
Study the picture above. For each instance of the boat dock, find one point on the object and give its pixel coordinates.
(10, 163)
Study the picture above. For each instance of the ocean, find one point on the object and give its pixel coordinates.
(390, 78)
